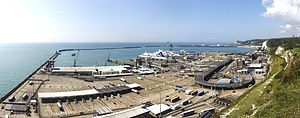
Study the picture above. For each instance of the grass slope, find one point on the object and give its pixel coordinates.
(285, 99)
(277, 97)
(247, 104)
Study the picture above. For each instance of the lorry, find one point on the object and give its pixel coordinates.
(187, 113)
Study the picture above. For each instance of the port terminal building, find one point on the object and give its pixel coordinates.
(52, 97)
(98, 71)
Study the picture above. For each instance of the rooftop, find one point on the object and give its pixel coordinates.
(158, 108)
(126, 113)
(87, 92)
(67, 94)
(255, 65)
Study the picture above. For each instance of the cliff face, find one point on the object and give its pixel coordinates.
(280, 50)
(286, 54)
(264, 45)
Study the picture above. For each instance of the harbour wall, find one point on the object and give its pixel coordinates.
(53, 57)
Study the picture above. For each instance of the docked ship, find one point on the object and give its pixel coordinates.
(158, 55)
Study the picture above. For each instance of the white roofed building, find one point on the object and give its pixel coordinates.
(96, 71)
(136, 112)
(159, 108)
(255, 66)
(259, 71)
(55, 96)
(47, 97)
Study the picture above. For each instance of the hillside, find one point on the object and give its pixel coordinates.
(279, 95)
(288, 43)
(282, 98)
(252, 42)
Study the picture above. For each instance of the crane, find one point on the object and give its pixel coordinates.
(170, 45)
(76, 58)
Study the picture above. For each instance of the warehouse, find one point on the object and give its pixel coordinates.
(51, 97)
(95, 71)
(55, 96)
(158, 109)
(136, 112)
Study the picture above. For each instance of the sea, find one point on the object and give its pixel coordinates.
(17, 61)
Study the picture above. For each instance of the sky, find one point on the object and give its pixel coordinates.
(146, 20)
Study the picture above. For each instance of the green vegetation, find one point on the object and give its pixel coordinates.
(288, 43)
(245, 105)
(252, 42)
(285, 99)
(296, 51)
(279, 95)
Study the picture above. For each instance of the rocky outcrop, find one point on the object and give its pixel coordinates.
(280, 50)
(286, 54)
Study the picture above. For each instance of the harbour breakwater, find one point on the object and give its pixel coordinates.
(133, 47)
(27, 78)
(78, 49)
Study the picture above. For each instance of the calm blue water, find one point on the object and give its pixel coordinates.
(19, 60)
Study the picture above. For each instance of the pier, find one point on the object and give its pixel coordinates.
(121, 62)
(79, 49)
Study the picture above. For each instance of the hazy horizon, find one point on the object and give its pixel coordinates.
(198, 42)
